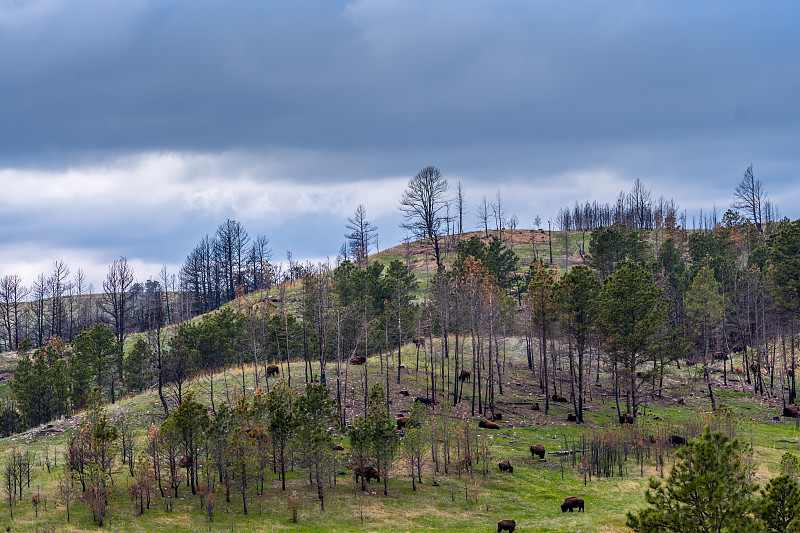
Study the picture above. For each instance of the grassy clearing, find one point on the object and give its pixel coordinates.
(531, 495)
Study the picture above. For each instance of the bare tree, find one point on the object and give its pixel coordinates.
(483, 215)
(362, 235)
(116, 287)
(12, 294)
(59, 286)
(260, 255)
(460, 207)
(231, 243)
(497, 211)
(41, 291)
(750, 196)
(421, 204)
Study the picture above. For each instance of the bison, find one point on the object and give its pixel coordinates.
(791, 411)
(559, 398)
(426, 401)
(465, 375)
(419, 341)
(626, 418)
(367, 472)
(497, 416)
(508, 525)
(677, 440)
(570, 503)
(273, 370)
(572, 418)
(487, 425)
(337, 447)
(535, 406)
(505, 466)
(402, 422)
(537, 449)
(358, 360)
(404, 393)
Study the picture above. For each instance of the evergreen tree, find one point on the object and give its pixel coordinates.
(709, 490)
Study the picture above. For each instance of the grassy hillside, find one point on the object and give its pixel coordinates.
(531, 495)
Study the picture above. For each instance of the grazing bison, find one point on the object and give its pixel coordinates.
(419, 341)
(426, 401)
(358, 360)
(465, 375)
(505, 466)
(497, 416)
(402, 422)
(572, 418)
(337, 447)
(537, 449)
(404, 393)
(366, 472)
(507, 525)
(626, 418)
(272, 370)
(677, 440)
(791, 411)
(559, 398)
(535, 406)
(487, 425)
(571, 503)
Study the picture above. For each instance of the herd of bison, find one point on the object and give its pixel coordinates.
(369, 473)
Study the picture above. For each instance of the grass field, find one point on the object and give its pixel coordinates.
(531, 495)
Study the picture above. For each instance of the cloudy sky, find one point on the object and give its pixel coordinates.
(135, 127)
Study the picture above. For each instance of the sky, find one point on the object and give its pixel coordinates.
(134, 128)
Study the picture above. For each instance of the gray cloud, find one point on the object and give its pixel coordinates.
(161, 119)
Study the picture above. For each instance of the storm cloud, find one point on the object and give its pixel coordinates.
(135, 127)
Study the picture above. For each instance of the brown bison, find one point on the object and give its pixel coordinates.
(426, 401)
(535, 406)
(366, 472)
(677, 440)
(337, 447)
(791, 411)
(507, 525)
(571, 503)
(273, 370)
(497, 416)
(419, 341)
(465, 375)
(626, 418)
(358, 360)
(505, 466)
(559, 398)
(487, 425)
(404, 393)
(402, 422)
(537, 449)
(572, 417)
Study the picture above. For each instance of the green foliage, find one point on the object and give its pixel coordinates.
(779, 508)
(282, 421)
(96, 350)
(42, 383)
(784, 271)
(138, 366)
(613, 244)
(499, 260)
(709, 489)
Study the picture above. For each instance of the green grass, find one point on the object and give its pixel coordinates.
(531, 495)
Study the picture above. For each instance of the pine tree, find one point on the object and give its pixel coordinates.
(709, 490)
